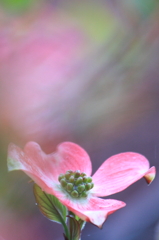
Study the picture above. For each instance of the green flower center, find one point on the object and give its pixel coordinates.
(77, 184)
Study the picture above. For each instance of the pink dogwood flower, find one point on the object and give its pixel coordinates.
(114, 175)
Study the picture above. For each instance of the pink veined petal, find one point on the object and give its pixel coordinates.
(71, 156)
(95, 210)
(150, 175)
(19, 160)
(118, 172)
(43, 168)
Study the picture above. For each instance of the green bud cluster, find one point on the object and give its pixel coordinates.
(77, 184)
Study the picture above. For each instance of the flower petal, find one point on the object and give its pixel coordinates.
(118, 172)
(71, 156)
(30, 164)
(94, 210)
(47, 167)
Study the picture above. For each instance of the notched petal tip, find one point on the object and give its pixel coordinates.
(150, 175)
(12, 163)
(96, 210)
(102, 215)
(100, 226)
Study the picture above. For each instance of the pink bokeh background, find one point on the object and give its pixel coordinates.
(85, 72)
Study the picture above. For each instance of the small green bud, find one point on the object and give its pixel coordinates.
(85, 179)
(69, 187)
(72, 179)
(81, 188)
(84, 195)
(68, 174)
(63, 183)
(77, 173)
(78, 181)
(60, 177)
(83, 175)
(89, 179)
(74, 194)
(88, 186)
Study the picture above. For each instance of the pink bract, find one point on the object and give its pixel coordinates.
(115, 174)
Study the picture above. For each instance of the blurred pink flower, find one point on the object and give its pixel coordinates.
(115, 174)
(39, 59)
(63, 76)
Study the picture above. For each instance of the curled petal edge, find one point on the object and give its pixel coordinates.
(150, 175)
(96, 210)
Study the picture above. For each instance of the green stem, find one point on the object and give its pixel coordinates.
(69, 224)
(66, 229)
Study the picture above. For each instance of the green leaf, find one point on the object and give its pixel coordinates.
(81, 223)
(50, 206)
(75, 230)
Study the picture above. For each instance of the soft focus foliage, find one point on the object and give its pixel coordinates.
(81, 71)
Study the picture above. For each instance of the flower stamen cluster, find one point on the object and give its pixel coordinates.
(77, 184)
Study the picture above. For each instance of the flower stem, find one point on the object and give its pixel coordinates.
(67, 234)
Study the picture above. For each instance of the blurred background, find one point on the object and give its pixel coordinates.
(87, 72)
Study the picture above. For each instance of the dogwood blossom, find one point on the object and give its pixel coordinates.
(72, 164)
